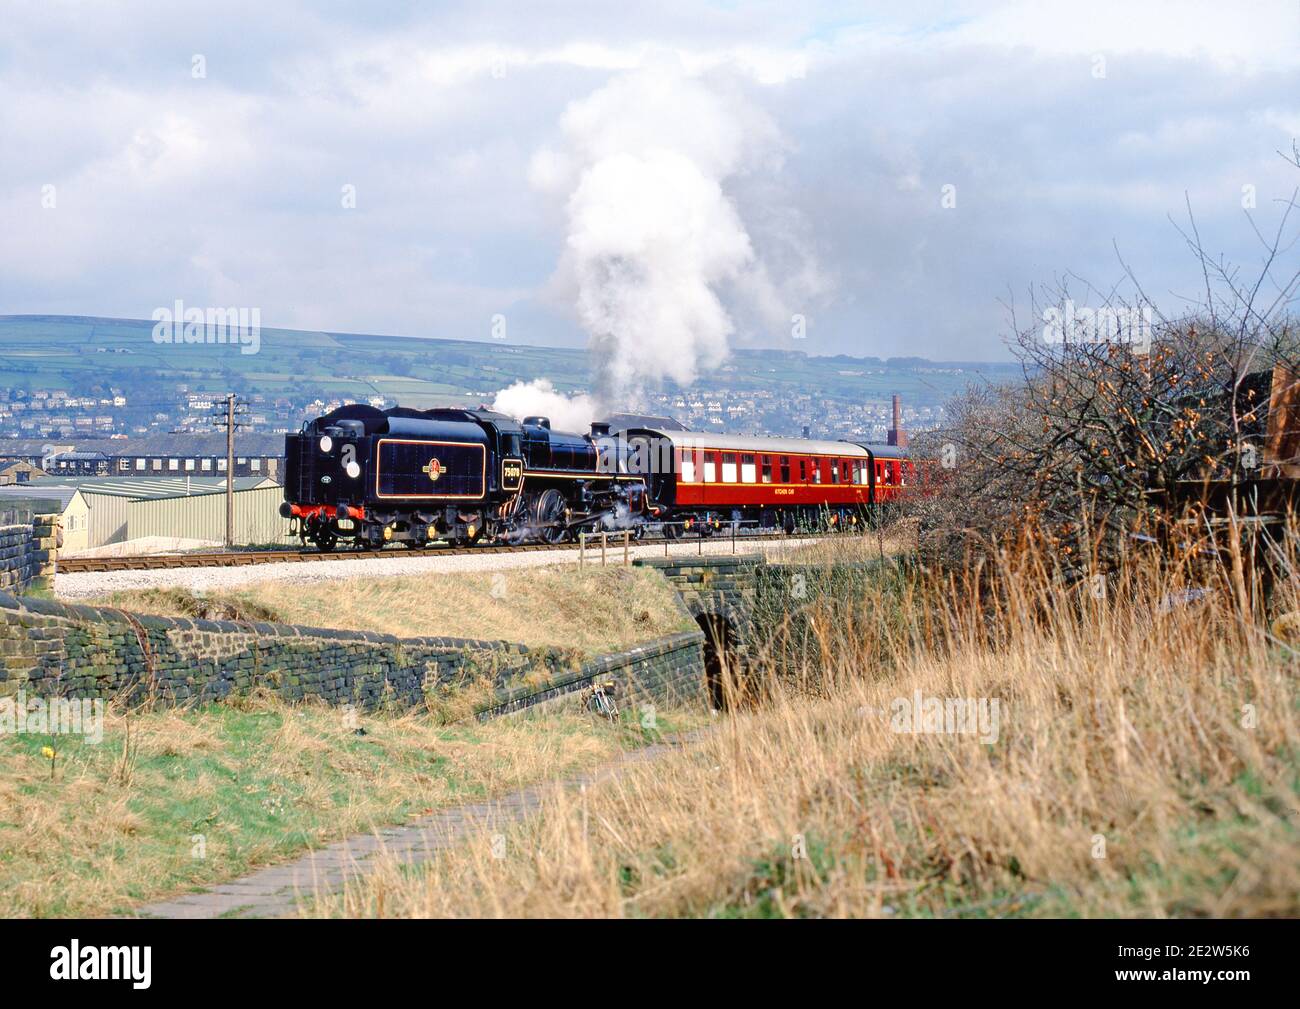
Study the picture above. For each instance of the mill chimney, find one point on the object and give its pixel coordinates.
(896, 435)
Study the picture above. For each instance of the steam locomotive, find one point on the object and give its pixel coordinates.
(377, 476)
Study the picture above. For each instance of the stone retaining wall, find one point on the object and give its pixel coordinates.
(669, 669)
(53, 649)
(721, 587)
(27, 554)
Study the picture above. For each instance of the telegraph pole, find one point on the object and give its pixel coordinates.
(227, 418)
(230, 470)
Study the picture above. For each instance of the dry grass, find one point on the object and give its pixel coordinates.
(118, 822)
(590, 612)
(1147, 763)
(895, 539)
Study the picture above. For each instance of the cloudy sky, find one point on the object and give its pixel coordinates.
(585, 169)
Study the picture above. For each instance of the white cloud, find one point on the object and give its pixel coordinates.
(828, 137)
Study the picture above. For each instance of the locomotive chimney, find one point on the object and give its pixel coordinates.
(896, 435)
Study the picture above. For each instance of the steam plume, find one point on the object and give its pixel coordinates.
(654, 242)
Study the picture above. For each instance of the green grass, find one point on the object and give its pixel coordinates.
(122, 821)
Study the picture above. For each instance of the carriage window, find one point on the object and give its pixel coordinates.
(767, 469)
(835, 471)
(785, 469)
(747, 472)
(710, 467)
(688, 466)
(845, 473)
(817, 471)
(728, 467)
(803, 470)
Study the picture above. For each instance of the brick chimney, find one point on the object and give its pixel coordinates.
(896, 435)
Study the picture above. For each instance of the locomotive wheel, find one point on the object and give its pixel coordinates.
(326, 540)
(550, 509)
(670, 531)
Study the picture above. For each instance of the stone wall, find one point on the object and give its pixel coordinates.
(721, 587)
(27, 554)
(51, 649)
(751, 610)
(668, 669)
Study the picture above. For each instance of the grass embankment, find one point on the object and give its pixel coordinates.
(1145, 760)
(173, 800)
(587, 612)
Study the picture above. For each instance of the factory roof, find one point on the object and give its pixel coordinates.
(142, 487)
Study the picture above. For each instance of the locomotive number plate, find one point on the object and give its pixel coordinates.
(512, 474)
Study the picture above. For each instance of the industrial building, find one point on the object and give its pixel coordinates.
(100, 512)
(203, 516)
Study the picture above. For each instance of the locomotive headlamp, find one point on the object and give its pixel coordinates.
(326, 443)
(353, 470)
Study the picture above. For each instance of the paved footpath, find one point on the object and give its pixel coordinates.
(281, 889)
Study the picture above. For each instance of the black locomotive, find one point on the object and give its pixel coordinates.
(402, 475)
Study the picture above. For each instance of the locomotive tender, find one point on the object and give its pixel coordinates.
(401, 475)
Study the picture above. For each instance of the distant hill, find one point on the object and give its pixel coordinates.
(86, 354)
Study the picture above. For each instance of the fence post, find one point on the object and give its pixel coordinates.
(627, 548)
(733, 536)
(604, 542)
(582, 550)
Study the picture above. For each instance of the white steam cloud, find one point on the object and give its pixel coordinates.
(654, 241)
(541, 399)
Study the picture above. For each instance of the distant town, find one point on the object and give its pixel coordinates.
(91, 398)
(61, 414)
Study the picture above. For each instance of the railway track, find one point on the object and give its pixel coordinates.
(243, 558)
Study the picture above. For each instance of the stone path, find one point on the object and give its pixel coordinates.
(280, 889)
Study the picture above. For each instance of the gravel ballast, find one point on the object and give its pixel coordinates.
(83, 585)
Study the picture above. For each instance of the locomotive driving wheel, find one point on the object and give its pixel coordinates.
(548, 516)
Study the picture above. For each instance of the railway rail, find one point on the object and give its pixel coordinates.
(241, 558)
